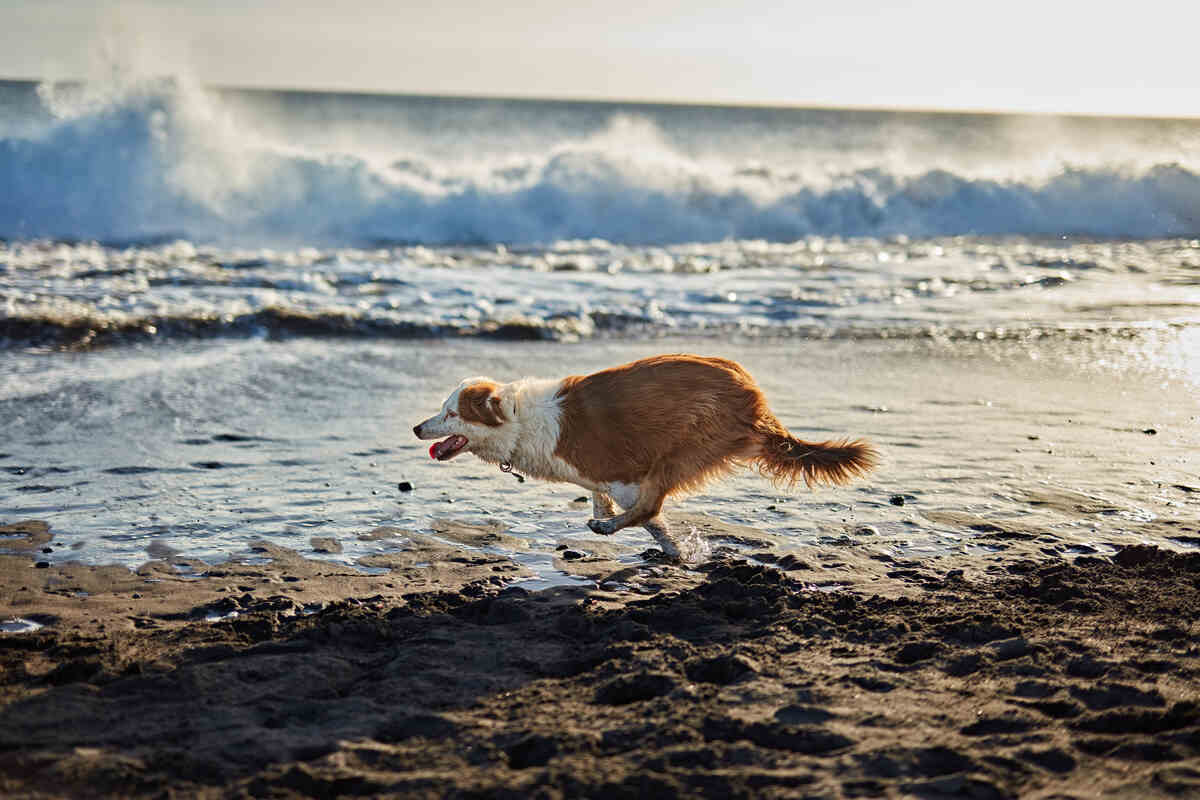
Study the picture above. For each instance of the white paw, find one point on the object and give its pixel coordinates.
(603, 527)
(670, 552)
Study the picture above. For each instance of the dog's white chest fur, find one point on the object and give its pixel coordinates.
(529, 440)
(625, 494)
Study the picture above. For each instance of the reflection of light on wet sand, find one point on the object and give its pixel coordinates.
(19, 625)
(1163, 352)
(1171, 351)
(1183, 355)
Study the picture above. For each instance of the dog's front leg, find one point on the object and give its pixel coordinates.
(647, 505)
(645, 511)
(603, 506)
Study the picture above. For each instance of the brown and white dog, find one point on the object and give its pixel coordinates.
(636, 434)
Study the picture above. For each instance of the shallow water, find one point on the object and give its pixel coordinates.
(86, 295)
(196, 451)
(19, 625)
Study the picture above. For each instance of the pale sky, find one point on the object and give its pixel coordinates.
(1020, 55)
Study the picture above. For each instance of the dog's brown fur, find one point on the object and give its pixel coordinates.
(479, 403)
(672, 423)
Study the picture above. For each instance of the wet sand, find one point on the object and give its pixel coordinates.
(842, 673)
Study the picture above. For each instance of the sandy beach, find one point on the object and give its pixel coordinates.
(1030, 677)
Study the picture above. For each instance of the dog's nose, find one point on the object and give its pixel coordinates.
(417, 431)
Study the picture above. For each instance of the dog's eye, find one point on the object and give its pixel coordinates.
(451, 414)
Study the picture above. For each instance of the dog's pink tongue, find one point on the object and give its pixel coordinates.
(438, 450)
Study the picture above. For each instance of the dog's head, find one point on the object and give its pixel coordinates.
(472, 416)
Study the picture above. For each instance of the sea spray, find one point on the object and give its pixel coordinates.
(152, 159)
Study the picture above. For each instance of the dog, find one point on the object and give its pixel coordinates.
(635, 435)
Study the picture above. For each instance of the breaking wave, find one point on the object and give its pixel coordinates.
(163, 160)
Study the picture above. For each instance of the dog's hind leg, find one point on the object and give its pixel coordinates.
(645, 511)
(661, 532)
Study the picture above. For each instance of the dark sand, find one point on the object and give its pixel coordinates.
(1038, 678)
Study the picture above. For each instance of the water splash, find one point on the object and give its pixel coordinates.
(144, 159)
(693, 547)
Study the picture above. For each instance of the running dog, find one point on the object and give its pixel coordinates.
(635, 435)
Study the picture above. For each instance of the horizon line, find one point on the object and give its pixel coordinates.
(646, 101)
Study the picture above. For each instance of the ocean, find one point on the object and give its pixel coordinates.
(221, 311)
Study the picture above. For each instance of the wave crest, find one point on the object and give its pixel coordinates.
(165, 159)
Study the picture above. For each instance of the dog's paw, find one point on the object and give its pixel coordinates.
(604, 511)
(656, 556)
(604, 527)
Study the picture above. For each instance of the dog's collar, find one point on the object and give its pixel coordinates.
(507, 467)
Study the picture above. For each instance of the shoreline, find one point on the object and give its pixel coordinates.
(989, 448)
(301, 678)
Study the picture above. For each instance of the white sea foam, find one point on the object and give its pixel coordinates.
(146, 160)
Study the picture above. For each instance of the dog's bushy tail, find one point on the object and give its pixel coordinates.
(784, 459)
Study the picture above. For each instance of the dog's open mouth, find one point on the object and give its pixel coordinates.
(447, 448)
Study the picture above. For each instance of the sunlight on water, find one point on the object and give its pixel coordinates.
(87, 295)
(19, 625)
(1183, 355)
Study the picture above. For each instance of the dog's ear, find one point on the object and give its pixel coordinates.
(480, 403)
